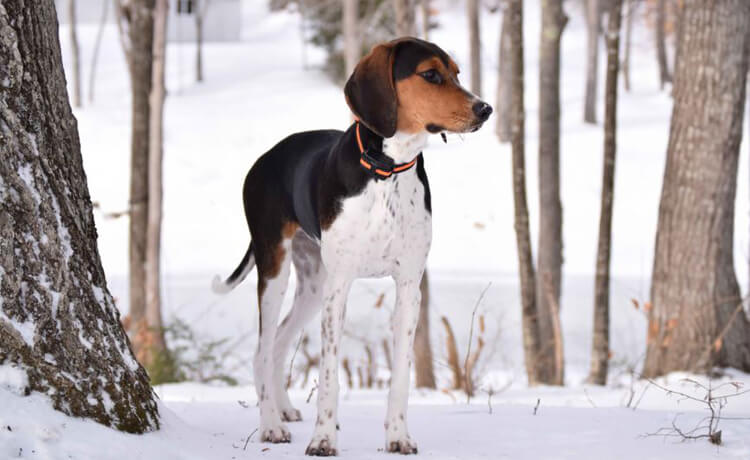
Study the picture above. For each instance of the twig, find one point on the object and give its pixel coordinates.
(248, 438)
(538, 401)
(291, 363)
(589, 398)
(312, 390)
(467, 373)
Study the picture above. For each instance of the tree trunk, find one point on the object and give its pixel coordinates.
(475, 46)
(425, 4)
(76, 57)
(352, 47)
(58, 322)
(661, 46)
(523, 239)
(593, 25)
(549, 265)
(630, 9)
(97, 46)
(600, 347)
(694, 291)
(200, 14)
(422, 349)
(137, 22)
(404, 10)
(156, 341)
(504, 77)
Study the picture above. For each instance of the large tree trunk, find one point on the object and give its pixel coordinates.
(58, 322)
(475, 47)
(693, 325)
(523, 238)
(661, 45)
(422, 350)
(137, 29)
(404, 10)
(76, 53)
(352, 47)
(504, 77)
(593, 25)
(549, 266)
(97, 47)
(156, 341)
(600, 347)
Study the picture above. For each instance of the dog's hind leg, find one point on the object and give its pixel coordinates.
(307, 303)
(273, 277)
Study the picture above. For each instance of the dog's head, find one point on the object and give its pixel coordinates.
(410, 85)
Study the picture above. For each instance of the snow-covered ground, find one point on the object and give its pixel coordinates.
(258, 91)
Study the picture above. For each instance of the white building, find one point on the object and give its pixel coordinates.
(222, 20)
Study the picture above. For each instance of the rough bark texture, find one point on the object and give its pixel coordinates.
(504, 91)
(694, 289)
(156, 341)
(352, 46)
(475, 46)
(661, 45)
(593, 25)
(549, 266)
(521, 219)
(600, 346)
(58, 321)
(422, 350)
(97, 47)
(137, 29)
(75, 51)
(404, 10)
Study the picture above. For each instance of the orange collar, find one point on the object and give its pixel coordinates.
(379, 168)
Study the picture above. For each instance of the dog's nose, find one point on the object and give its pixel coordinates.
(482, 110)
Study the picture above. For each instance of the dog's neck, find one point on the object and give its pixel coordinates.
(404, 147)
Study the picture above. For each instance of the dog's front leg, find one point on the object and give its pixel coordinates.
(405, 318)
(335, 293)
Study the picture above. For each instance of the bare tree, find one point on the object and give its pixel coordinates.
(76, 53)
(97, 47)
(549, 264)
(423, 368)
(475, 47)
(600, 347)
(593, 26)
(661, 46)
(201, 8)
(523, 238)
(404, 10)
(630, 8)
(136, 23)
(693, 325)
(504, 77)
(59, 326)
(352, 46)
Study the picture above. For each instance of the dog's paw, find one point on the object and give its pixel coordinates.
(403, 446)
(321, 447)
(291, 415)
(275, 434)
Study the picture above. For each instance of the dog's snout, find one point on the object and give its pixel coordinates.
(482, 110)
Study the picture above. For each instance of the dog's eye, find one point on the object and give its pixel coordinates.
(432, 76)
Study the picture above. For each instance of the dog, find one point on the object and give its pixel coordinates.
(347, 205)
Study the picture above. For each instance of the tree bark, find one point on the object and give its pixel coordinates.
(549, 264)
(58, 322)
(425, 5)
(352, 47)
(521, 224)
(475, 47)
(200, 13)
(97, 47)
(504, 77)
(600, 347)
(422, 349)
(137, 30)
(404, 10)
(75, 51)
(661, 46)
(631, 6)
(694, 291)
(593, 26)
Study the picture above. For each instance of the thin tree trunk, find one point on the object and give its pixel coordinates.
(549, 265)
(661, 46)
(600, 347)
(593, 26)
(694, 290)
(59, 326)
(97, 47)
(422, 349)
(504, 84)
(475, 47)
(523, 238)
(425, 5)
(404, 10)
(75, 49)
(352, 47)
(630, 9)
(200, 14)
(156, 152)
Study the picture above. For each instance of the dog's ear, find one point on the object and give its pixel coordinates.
(371, 92)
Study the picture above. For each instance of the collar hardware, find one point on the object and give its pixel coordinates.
(380, 168)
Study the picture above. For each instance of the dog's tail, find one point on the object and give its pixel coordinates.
(237, 276)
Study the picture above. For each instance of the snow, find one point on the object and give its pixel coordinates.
(256, 92)
(12, 379)
(25, 329)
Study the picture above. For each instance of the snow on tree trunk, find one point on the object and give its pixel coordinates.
(696, 321)
(600, 346)
(475, 45)
(58, 321)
